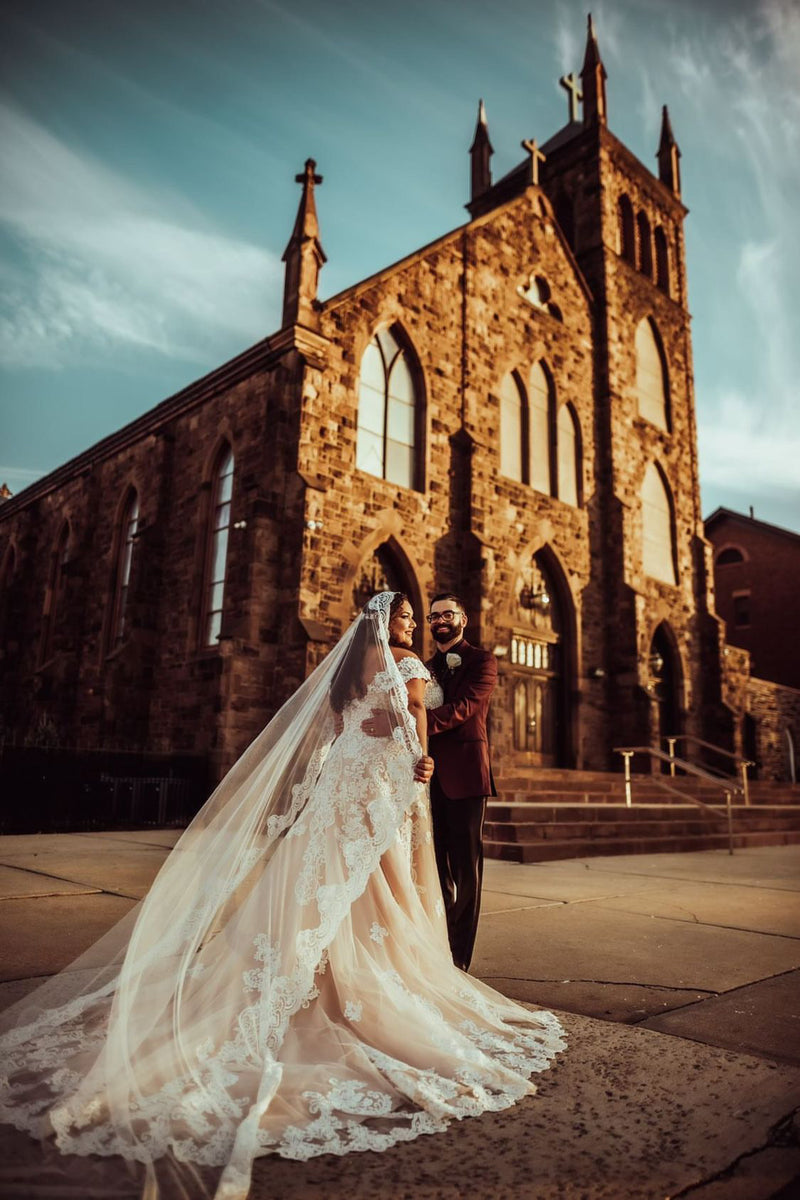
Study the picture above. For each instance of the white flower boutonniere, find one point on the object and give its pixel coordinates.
(453, 661)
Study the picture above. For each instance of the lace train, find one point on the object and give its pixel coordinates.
(320, 1013)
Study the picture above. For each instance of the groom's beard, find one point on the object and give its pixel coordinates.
(446, 633)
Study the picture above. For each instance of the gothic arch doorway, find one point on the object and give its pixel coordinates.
(385, 569)
(540, 660)
(664, 687)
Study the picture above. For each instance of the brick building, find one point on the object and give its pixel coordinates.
(757, 586)
(508, 412)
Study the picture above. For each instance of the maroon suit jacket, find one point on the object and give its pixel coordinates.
(458, 741)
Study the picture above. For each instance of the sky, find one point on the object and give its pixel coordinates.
(148, 155)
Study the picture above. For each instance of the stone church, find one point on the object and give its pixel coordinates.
(507, 412)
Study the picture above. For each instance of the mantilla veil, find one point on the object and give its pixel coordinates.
(284, 987)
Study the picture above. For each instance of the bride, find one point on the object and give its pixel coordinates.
(286, 986)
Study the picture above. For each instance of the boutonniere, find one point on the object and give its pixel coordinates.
(453, 661)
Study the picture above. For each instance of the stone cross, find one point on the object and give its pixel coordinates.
(570, 84)
(536, 157)
(309, 175)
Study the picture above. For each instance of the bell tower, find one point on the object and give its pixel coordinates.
(626, 229)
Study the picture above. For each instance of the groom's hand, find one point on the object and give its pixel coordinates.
(423, 769)
(380, 724)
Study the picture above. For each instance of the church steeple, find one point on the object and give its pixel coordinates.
(593, 80)
(303, 256)
(480, 153)
(669, 156)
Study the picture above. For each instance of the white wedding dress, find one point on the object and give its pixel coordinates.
(295, 998)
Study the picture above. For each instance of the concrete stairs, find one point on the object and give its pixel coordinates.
(549, 814)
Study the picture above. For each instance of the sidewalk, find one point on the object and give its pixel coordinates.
(676, 976)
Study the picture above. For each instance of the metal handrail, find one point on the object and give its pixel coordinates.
(741, 763)
(628, 752)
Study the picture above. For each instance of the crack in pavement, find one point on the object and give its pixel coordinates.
(661, 987)
(761, 887)
(780, 1136)
(92, 889)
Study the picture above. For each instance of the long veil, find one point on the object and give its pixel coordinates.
(163, 1040)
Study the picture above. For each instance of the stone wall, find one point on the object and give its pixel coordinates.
(776, 713)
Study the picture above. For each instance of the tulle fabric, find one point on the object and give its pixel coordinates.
(286, 985)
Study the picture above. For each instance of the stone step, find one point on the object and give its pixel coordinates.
(549, 851)
(525, 810)
(645, 792)
(499, 831)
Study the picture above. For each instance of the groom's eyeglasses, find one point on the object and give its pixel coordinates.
(448, 615)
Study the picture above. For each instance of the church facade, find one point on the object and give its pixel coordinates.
(508, 412)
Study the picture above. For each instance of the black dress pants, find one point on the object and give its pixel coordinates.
(458, 841)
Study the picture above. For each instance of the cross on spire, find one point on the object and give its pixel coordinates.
(308, 175)
(536, 157)
(571, 85)
(303, 256)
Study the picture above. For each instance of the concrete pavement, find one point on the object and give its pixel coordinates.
(677, 978)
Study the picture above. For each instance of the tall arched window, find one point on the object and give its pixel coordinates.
(512, 431)
(540, 403)
(569, 456)
(662, 260)
(217, 551)
(126, 534)
(651, 376)
(658, 543)
(388, 438)
(627, 231)
(645, 245)
(54, 594)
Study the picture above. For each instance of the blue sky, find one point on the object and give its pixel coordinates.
(149, 154)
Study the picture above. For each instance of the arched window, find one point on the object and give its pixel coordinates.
(388, 413)
(511, 429)
(729, 556)
(790, 773)
(217, 551)
(569, 456)
(540, 404)
(662, 260)
(658, 545)
(627, 232)
(54, 594)
(126, 534)
(651, 376)
(645, 245)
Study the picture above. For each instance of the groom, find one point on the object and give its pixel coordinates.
(462, 778)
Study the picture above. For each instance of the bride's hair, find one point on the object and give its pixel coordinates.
(350, 681)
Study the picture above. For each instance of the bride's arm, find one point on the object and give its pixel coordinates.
(416, 706)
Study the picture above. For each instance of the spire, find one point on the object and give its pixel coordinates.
(480, 153)
(593, 78)
(669, 156)
(303, 256)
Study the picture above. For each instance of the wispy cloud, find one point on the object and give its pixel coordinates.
(747, 84)
(94, 264)
(18, 478)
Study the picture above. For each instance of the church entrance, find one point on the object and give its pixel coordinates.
(664, 688)
(537, 663)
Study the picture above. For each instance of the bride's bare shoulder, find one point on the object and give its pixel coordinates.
(399, 652)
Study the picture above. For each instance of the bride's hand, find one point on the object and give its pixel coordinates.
(423, 769)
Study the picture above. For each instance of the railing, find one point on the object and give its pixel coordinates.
(741, 763)
(628, 752)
